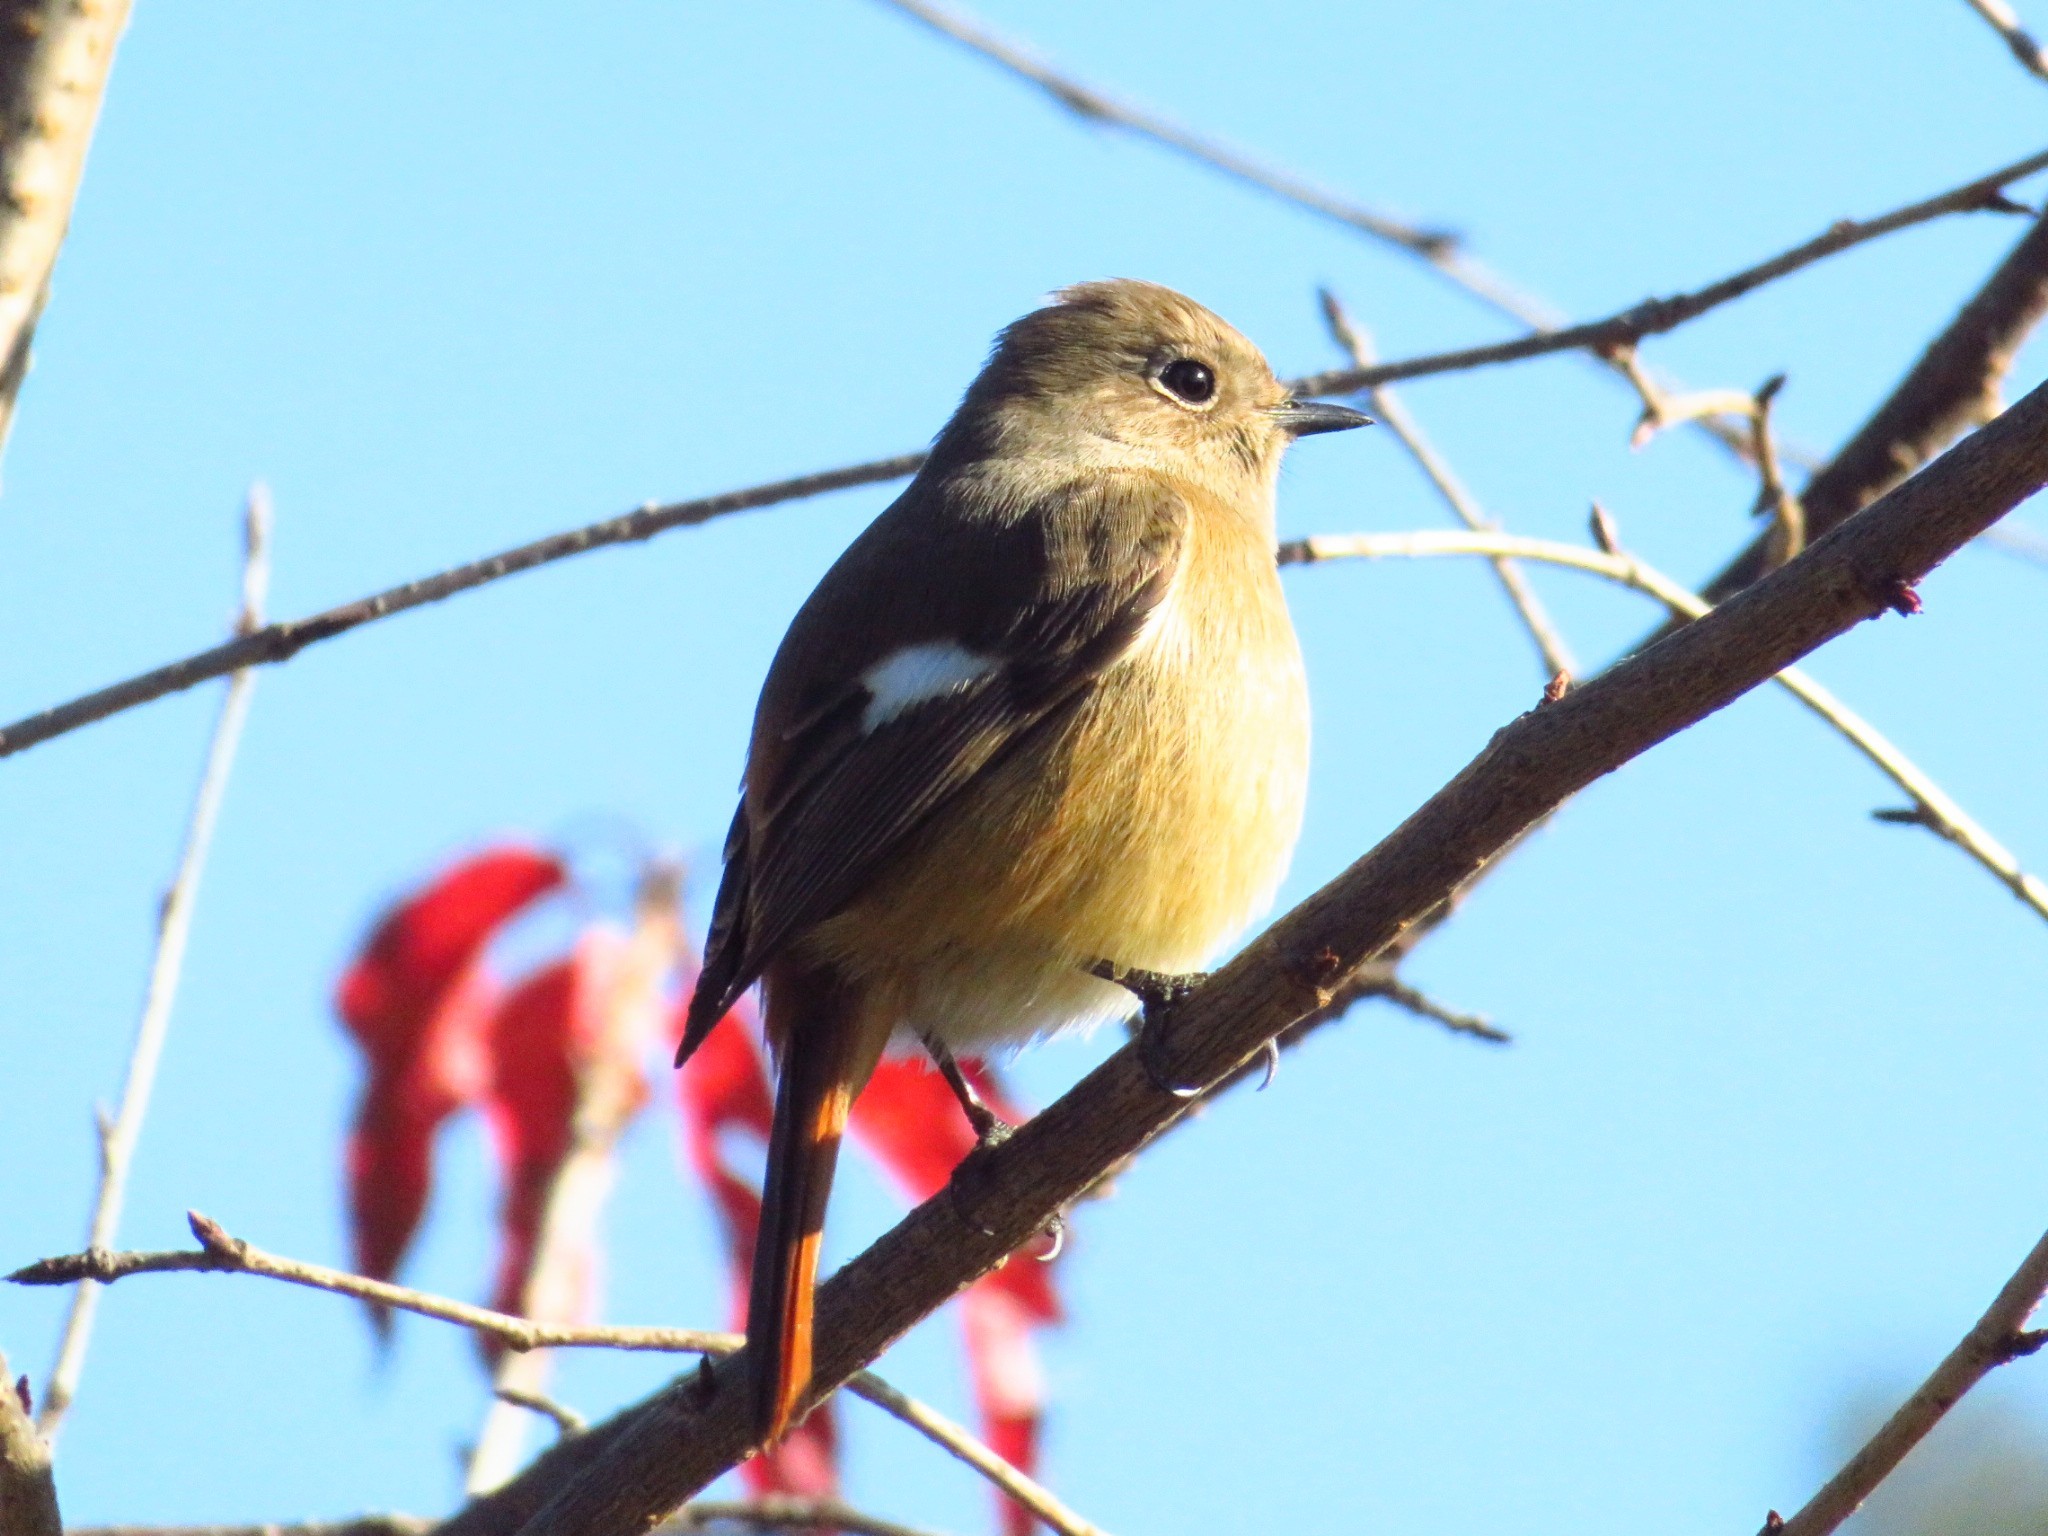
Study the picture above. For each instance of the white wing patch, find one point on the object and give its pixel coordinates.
(918, 673)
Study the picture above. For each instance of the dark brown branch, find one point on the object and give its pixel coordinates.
(632, 1470)
(1954, 386)
(1996, 1340)
(280, 642)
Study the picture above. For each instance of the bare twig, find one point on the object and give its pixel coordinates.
(2005, 22)
(1653, 317)
(1415, 1001)
(567, 1420)
(279, 642)
(1439, 248)
(54, 59)
(174, 928)
(1934, 808)
(1551, 649)
(2020, 542)
(220, 1253)
(1955, 385)
(936, 1427)
(1996, 1340)
(1752, 410)
(1788, 517)
(28, 1492)
(651, 1457)
(1662, 408)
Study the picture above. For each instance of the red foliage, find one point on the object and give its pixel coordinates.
(415, 999)
(556, 1063)
(723, 1089)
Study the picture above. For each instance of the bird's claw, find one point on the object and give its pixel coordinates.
(1158, 993)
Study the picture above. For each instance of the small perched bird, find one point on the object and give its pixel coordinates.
(1044, 723)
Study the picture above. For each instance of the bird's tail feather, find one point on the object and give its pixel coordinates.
(826, 1060)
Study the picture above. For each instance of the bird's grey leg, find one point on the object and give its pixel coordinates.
(990, 1128)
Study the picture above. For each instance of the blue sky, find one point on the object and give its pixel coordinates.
(449, 278)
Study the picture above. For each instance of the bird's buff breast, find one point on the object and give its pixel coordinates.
(1148, 828)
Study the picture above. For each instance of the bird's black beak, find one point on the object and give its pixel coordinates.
(1303, 418)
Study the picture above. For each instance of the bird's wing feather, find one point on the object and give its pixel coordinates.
(1047, 597)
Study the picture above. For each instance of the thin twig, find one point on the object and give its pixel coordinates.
(54, 59)
(1663, 408)
(218, 1252)
(1653, 317)
(1996, 1340)
(28, 1491)
(1441, 250)
(1551, 650)
(1752, 410)
(936, 1427)
(118, 1137)
(2019, 541)
(2005, 22)
(647, 1459)
(1415, 1001)
(1788, 517)
(1438, 247)
(279, 642)
(567, 1420)
(362, 1525)
(1937, 809)
(1954, 385)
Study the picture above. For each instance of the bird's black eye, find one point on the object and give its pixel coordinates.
(1189, 380)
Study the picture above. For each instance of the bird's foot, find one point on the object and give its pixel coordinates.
(991, 1130)
(1159, 994)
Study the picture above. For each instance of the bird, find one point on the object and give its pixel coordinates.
(1032, 753)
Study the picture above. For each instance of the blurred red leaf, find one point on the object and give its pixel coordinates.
(1009, 1387)
(910, 1120)
(415, 1001)
(532, 1049)
(723, 1089)
(567, 1054)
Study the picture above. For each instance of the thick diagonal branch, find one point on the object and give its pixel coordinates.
(630, 1471)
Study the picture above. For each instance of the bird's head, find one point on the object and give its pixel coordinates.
(1130, 373)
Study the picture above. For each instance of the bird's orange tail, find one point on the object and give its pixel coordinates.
(825, 1061)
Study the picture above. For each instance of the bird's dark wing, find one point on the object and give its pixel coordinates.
(1047, 594)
